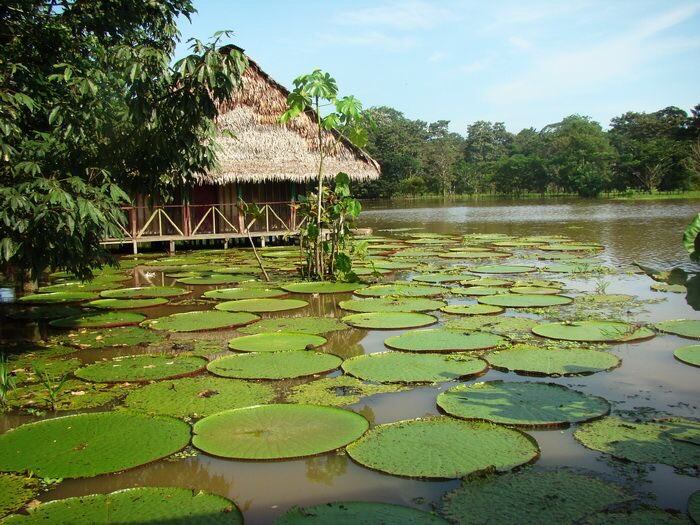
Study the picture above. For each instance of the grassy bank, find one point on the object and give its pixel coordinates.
(618, 196)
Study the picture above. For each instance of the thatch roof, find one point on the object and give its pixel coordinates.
(263, 149)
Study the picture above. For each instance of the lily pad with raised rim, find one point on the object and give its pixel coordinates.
(301, 325)
(476, 291)
(639, 516)
(127, 304)
(535, 290)
(689, 328)
(515, 300)
(74, 395)
(523, 404)
(198, 396)
(358, 513)
(261, 305)
(389, 320)
(144, 292)
(57, 297)
(438, 278)
(121, 336)
(474, 255)
(694, 506)
(99, 320)
(593, 331)
(456, 448)
(503, 268)
(472, 309)
(401, 290)
(136, 505)
(289, 431)
(531, 498)
(200, 321)
(86, 445)
(337, 391)
(15, 491)
(322, 287)
(50, 311)
(538, 361)
(233, 294)
(690, 354)
(391, 304)
(438, 340)
(403, 367)
(274, 365)
(214, 278)
(140, 368)
(276, 342)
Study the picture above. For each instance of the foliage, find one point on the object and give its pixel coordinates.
(53, 385)
(7, 381)
(91, 104)
(358, 513)
(691, 238)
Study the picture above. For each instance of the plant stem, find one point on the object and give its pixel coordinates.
(318, 249)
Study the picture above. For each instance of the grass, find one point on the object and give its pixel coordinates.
(617, 196)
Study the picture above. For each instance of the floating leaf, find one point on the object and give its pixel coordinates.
(640, 516)
(683, 327)
(276, 342)
(337, 391)
(438, 340)
(389, 320)
(213, 278)
(144, 292)
(122, 336)
(688, 354)
(200, 320)
(274, 365)
(593, 331)
(503, 268)
(358, 513)
(472, 309)
(533, 360)
(57, 297)
(391, 304)
(99, 320)
(301, 325)
(127, 304)
(401, 290)
(232, 294)
(139, 368)
(322, 287)
(508, 300)
(15, 491)
(261, 305)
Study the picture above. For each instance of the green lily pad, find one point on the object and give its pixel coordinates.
(605, 298)
(200, 321)
(684, 327)
(694, 506)
(90, 444)
(136, 505)
(438, 340)
(690, 354)
(391, 304)
(80, 287)
(26, 367)
(389, 320)
(198, 396)
(300, 325)
(476, 291)
(274, 365)
(140, 368)
(261, 305)
(640, 516)
(144, 292)
(322, 287)
(523, 404)
(289, 431)
(276, 342)
(127, 304)
(401, 290)
(593, 331)
(44, 312)
(682, 429)
(489, 282)
(572, 247)
(646, 442)
(403, 367)
(530, 498)
(474, 255)
(665, 287)
(15, 491)
(438, 278)
(337, 391)
(57, 297)
(503, 268)
(533, 360)
(535, 290)
(456, 448)
(98, 320)
(232, 294)
(122, 336)
(472, 309)
(393, 265)
(515, 300)
(214, 278)
(570, 267)
(358, 513)
(74, 395)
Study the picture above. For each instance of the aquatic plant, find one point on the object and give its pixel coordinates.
(53, 385)
(7, 381)
(358, 513)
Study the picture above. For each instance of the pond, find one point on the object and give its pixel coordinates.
(649, 381)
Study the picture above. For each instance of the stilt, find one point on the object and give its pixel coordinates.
(135, 247)
(262, 241)
(171, 247)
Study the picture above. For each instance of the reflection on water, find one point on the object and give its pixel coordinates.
(324, 469)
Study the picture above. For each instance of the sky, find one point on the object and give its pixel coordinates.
(525, 63)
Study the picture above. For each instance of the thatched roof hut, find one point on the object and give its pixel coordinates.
(265, 150)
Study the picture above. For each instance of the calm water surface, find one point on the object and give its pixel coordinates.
(649, 375)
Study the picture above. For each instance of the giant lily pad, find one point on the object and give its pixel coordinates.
(503, 268)
(214, 278)
(515, 300)
(453, 448)
(593, 331)
(136, 505)
(533, 360)
(122, 336)
(688, 354)
(49, 311)
(523, 404)
(287, 431)
(74, 395)
(438, 340)
(127, 304)
(198, 396)
(274, 365)
(200, 321)
(358, 513)
(337, 391)
(389, 320)
(300, 325)
(57, 297)
(276, 342)
(694, 506)
(530, 498)
(403, 367)
(144, 292)
(15, 491)
(87, 445)
(233, 294)
(98, 320)
(391, 304)
(322, 287)
(139, 368)
(472, 309)
(476, 291)
(683, 327)
(261, 305)
(647, 442)
(401, 290)
(438, 278)
(639, 516)
(474, 255)
(535, 290)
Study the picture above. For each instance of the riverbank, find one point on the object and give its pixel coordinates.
(619, 196)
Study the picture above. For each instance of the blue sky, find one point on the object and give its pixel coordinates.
(525, 63)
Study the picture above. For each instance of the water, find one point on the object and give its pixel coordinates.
(649, 375)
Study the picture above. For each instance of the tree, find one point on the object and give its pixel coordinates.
(91, 108)
(440, 155)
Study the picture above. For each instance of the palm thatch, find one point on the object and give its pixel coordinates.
(262, 149)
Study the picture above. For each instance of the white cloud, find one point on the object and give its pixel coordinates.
(397, 14)
(437, 56)
(520, 43)
(374, 39)
(473, 67)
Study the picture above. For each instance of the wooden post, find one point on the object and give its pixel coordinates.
(171, 247)
(186, 220)
(133, 220)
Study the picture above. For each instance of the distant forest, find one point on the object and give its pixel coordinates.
(657, 151)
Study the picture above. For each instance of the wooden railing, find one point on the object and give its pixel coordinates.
(187, 221)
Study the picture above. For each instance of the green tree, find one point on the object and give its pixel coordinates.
(486, 143)
(440, 154)
(91, 107)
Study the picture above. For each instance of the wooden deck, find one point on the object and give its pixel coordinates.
(191, 222)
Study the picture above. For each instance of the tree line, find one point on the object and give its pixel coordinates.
(657, 151)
